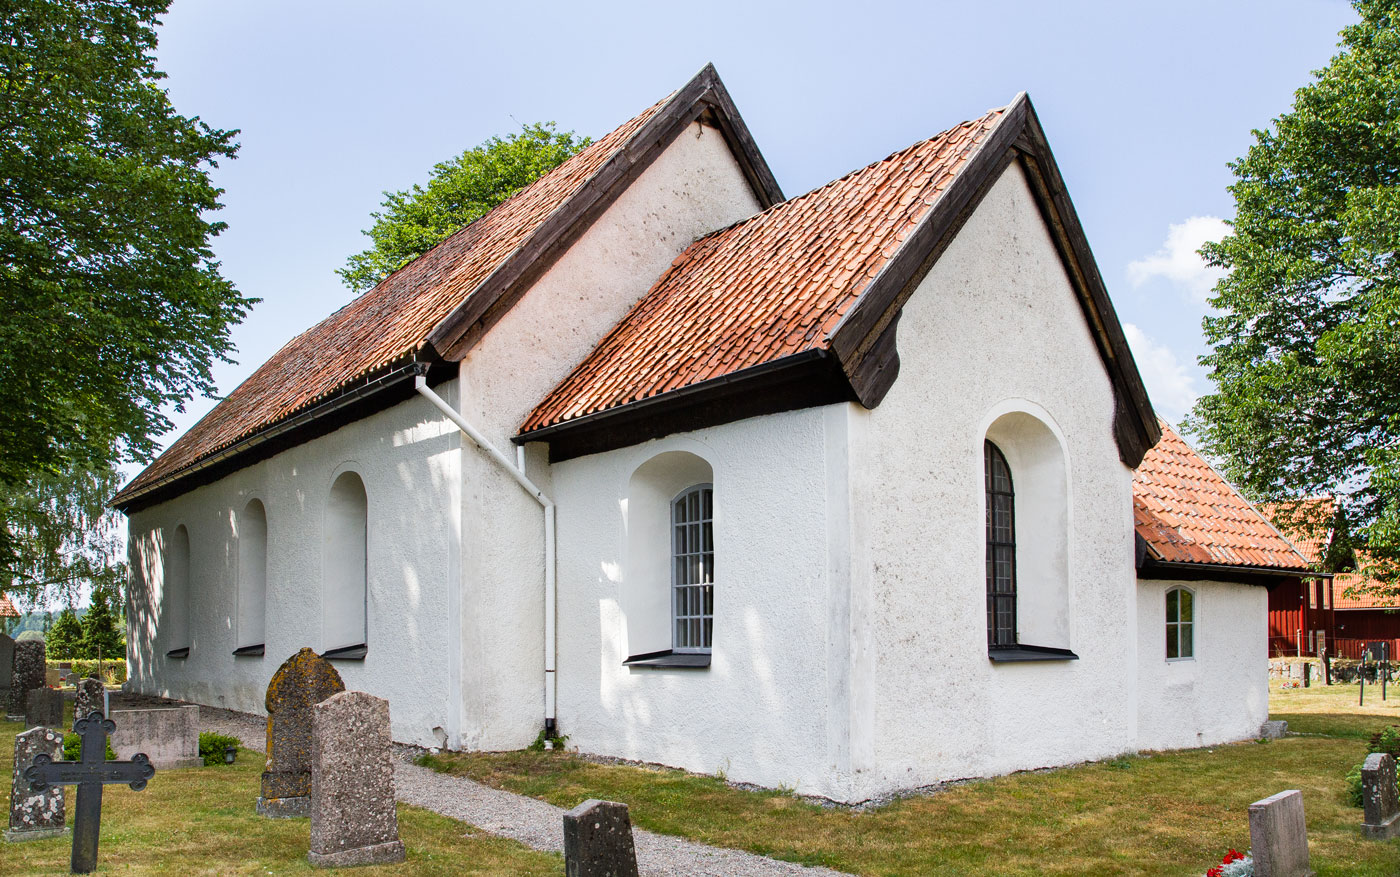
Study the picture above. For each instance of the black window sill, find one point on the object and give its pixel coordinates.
(670, 659)
(250, 651)
(1018, 653)
(347, 653)
(178, 653)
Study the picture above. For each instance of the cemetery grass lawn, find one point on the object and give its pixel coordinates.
(201, 821)
(1159, 813)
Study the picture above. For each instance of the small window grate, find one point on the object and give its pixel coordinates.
(692, 569)
(1001, 548)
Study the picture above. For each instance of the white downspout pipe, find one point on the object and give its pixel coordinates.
(517, 471)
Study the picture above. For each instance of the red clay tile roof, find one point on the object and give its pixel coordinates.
(387, 324)
(7, 609)
(1187, 513)
(1363, 599)
(771, 286)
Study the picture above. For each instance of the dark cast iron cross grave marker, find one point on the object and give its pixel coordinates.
(89, 774)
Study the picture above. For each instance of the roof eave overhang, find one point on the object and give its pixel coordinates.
(374, 392)
(802, 380)
(863, 341)
(1154, 567)
(704, 97)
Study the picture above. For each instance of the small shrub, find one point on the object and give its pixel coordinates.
(212, 746)
(73, 748)
(1387, 740)
(556, 741)
(1354, 797)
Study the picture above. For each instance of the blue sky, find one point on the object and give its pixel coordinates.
(1144, 104)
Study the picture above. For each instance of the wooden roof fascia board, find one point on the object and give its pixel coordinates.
(801, 380)
(460, 330)
(1135, 423)
(370, 394)
(1266, 576)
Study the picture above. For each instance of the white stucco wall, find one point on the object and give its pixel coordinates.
(1222, 693)
(994, 329)
(408, 458)
(694, 187)
(759, 713)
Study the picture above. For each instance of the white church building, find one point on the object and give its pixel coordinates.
(834, 492)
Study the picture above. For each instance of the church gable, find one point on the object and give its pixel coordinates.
(799, 305)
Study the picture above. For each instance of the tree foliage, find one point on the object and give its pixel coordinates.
(1306, 337)
(62, 537)
(64, 639)
(103, 635)
(114, 305)
(459, 191)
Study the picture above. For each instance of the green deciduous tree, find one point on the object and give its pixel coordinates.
(1306, 338)
(113, 305)
(63, 539)
(458, 192)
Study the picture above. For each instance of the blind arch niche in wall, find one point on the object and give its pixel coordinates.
(252, 577)
(175, 614)
(344, 603)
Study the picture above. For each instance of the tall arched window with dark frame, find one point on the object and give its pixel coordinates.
(693, 569)
(1001, 548)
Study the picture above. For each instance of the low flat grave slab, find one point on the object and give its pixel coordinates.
(169, 735)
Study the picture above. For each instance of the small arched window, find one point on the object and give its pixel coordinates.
(252, 579)
(693, 569)
(1181, 618)
(345, 607)
(176, 620)
(1001, 548)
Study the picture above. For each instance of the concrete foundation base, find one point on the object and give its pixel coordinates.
(378, 854)
(285, 808)
(15, 835)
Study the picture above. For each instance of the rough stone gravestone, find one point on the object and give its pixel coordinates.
(90, 698)
(29, 673)
(1274, 729)
(168, 735)
(34, 814)
(598, 841)
(90, 773)
(304, 680)
(1379, 797)
(44, 706)
(7, 670)
(353, 821)
(1278, 836)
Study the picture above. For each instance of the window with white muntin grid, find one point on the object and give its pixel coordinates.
(692, 569)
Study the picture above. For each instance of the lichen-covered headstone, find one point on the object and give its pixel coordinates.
(44, 708)
(91, 698)
(598, 841)
(1278, 836)
(1379, 797)
(29, 673)
(35, 814)
(7, 670)
(304, 680)
(353, 821)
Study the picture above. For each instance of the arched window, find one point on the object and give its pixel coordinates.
(1001, 548)
(1181, 617)
(176, 621)
(345, 606)
(693, 569)
(252, 579)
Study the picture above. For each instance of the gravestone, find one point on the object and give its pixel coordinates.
(353, 821)
(1274, 729)
(598, 841)
(1307, 675)
(28, 673)
(91, 698)
(89, 773)
(53, 677)
(304, 680)
(44, 707)
(168, 735)
(34, 814)
(1379, 797)
(1278, 836)
(7, 670)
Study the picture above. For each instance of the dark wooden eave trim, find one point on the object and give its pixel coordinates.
(704, 96)
(858, 338)
(802, 380)
(1155, 568)
(375, 392)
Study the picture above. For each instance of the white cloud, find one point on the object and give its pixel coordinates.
(1178, 262)
(1170, 385)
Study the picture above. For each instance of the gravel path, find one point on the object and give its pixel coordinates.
(527, 820)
